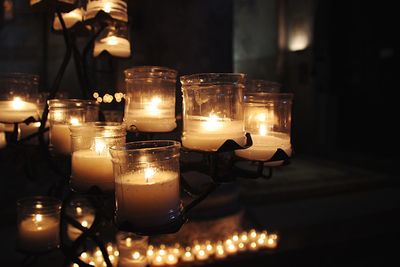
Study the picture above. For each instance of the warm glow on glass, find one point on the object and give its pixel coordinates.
(212, 123)
(74, 121)
(153, 106)
(112, 40)
(38, 217)
(17, 103)
(100, 146)
(107, 7)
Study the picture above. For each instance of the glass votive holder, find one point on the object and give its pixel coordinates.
(132, 249)
(70, 19)
(18, 97)
(212, 110)
(80, 210)
(147, 191)
(114, 39)
(66, 112)
(91, 164)
(117, 9)
(150, 99)
(38, 221)
(268, 119)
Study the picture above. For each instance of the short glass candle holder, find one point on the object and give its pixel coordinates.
(212, 110)
(38, 221)
(132, 249)
(268, 119)
(91, 160)
(18, 97)
(80, 210)
(150, 99)
(66, 112)
(146, 185)
(117, 9)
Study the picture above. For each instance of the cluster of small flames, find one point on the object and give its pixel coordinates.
(198, 252)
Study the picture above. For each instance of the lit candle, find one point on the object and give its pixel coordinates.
(116, 46)
(209, 133)
(70, 19)
(38, 233)
(171, 259)
(272, 241)
(17, 110)
(187, 256)
(201, 255)
(147, 197)
(153, 115)
(85, 220)
(60, 136)
(135, 260)
(220, 253)
(230, 248)
(158, 261)
(92, 167)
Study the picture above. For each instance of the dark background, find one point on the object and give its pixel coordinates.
(343, 77)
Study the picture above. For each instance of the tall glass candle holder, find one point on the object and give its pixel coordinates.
(150, 99)
(91, 160)
(132, 249)
(146, 184)
(38, 220)
(268, 119)
(66, 112)
(212, 110)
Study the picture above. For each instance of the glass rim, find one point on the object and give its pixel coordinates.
(135, 146)
(267, 96)
(143, 72)
(19, 75)
(213, 78)
(61, 103)
(48, 203)
(98, 126)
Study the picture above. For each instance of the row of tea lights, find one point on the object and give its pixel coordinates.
(126, 254)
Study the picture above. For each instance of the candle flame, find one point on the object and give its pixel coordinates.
(100, 146)
(39, 206)
(135, 255)
(112, 40)
(38, 217)
(149, 174)
(85, 223)
(17, 103)
(212, 123)
(153, 106)
(74, 121)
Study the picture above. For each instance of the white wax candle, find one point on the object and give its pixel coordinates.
(155, 115)
(116, 46)
(60, 138)
(209, 133)
(91, 168)
(147, 197)
(38, 233)
(134, 259)
(17, 110)
(70, 19)
(85, 220)
(265, 146)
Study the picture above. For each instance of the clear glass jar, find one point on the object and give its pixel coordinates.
(66, 112)
(267, 118)
(114, 39)
(150, 99)
(212, 110)
(117, 9)
(79, 209)
(18, 97)
(38, 221)
(91, 160)
(146, 184)
(132, 249)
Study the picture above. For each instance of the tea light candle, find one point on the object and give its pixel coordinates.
(157, 115)
(92, 167)
(60, 136)
(17, 110)
(116, 46)
(135, 260)
(201, 255)
(70, 19)
(209, 133)
(147, 196)
(38, 233)
(158, 261)
(171, 259)
(187, 256)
